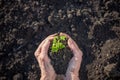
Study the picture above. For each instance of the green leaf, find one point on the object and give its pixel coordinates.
(57, 44)
(62, 38)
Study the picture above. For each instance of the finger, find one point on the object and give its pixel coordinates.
(73, 69)
(44, 50)
(50, 70)
(72, 44)
(63, 34)
(42, 67)
(47, 65)
(74, 48)
(48, 38)
(47, 70)
(52, 35)
(38, 51)
(74, 64)
(45, 47)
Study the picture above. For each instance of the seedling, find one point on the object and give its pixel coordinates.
(58, 43)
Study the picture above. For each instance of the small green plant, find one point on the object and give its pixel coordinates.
(57, 43)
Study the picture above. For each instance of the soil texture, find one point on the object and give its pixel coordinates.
(93, 24)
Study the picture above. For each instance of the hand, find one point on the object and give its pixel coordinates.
(47, 71)
(41, 54)
(74, 64)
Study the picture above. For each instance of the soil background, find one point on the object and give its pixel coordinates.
(93, 24)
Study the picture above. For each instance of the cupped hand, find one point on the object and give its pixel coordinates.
(47, 70)
(41, 54)
(74, 64)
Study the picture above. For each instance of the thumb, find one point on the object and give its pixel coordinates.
(44, 51)
(45, 46)
(74, 48)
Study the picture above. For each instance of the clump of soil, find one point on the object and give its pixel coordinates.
(60, 59)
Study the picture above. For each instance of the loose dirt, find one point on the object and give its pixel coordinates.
(93, 24)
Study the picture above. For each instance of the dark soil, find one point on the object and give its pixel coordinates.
(93, 24)
(60, 60)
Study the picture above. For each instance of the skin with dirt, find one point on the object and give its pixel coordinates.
(93, 24)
